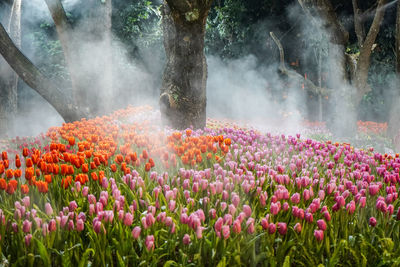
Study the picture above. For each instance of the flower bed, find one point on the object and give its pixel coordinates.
(119, 190)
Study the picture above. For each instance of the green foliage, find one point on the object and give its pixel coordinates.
(49, 55)
(138, 24)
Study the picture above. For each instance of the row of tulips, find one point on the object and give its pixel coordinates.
(119, 190)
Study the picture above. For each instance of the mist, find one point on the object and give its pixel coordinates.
(245, 90)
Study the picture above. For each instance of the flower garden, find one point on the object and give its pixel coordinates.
(122, 191)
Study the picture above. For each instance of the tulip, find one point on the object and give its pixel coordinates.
(250, 225)
(136, 232)
(48, 209)
(80, 225)
(73, 205)
(319, 235)
(237, 228)
(282, 228)
(247, 210)
(186, 239)
(149, 242)
(52, 225)
(225, 231)
(264, 223)
(271, 228)
(372, 221)
(297, 227)
(26, 226)
(128, 219)
(28, 238)
(321, 225)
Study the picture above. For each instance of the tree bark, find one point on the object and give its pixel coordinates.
(183, 91)
(358, 23)
(364, 60)
(9, 82)
(398, 39)
(32, 76)
(91, 83)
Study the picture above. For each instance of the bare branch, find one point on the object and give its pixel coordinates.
(281, 52)
(32, 76)
(296, 77)
(358, 23)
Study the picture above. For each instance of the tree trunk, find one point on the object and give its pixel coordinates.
(31, 75)
(9, 82)
(89, 61)
(361, 73)
(398, 39)
(183, 91)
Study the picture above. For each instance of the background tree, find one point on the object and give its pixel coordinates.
(183, 90)
(8, 78)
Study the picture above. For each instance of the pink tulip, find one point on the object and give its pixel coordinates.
(149, 242)
(297, 227)
(264, 223)
(372, 221)
(186, 239)
(250, 225)
(45, 229)
(373, 189)
(80, 225)
(28, 238)
(247, 210)
(237, 227)
(73, 205)
(271, 228)
(136, 232)
(309, 217)
(171, 205)
(319, 235)
(71, 225)
(128, 219)
(199, 232)
(52, 225)
(26, 226)
(26, 201)
(212, 213)
(225, 231)
(295, 198)
(321, 225)
(218, 224)
(282, 228)
(235, 200)
(48, 209)
(85, 191)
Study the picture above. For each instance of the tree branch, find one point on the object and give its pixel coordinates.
(398, 38)
(358, 23)
(325, 10)
(32, 76)
(293, 75)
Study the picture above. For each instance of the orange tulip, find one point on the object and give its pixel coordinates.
(85, 168)
(17, 173)
(147, 167)
(29, 172)
(113, 167)
(3, 184)
(25, 152)
(47, 178)
(24, 189)
(4, 155)
(9, 173)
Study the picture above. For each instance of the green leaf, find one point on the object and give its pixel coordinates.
(170, 263)
(286, 263)
(43, 252)
(85, 257)
(120, 261)
(222, 262)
